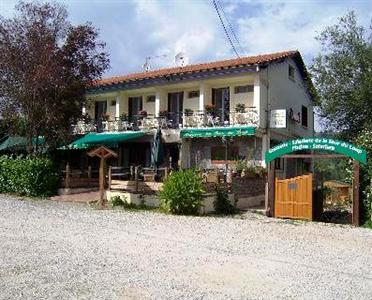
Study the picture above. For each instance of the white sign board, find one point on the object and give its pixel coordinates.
(278, 118)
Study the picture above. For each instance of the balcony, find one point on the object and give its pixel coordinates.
(248, 117)
(167, 120)
(133, 123)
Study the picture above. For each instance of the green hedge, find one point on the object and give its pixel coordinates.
(28, 176)
(182, 193)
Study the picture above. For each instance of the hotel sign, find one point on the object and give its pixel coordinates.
(317, 144)
(278, 118)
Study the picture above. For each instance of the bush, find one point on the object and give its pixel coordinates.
(222, 204)
(118, 201)
(182, 193)
(28, 176)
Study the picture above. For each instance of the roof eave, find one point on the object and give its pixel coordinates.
(172, 78)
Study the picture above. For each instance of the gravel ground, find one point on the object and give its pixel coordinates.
(70, 251)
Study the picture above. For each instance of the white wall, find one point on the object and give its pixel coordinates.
(190, 103)
(148, 106)
(285, 93)
(242, 98)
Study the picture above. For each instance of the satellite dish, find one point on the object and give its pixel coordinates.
(146, 66)
(181, 59)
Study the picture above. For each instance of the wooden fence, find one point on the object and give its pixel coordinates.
(294, 198)
(73, 178)
(136, 179)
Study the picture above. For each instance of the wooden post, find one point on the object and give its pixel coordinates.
(217, 175)
(166, 173)
(136, 177)
(103, 153)
(356, 205)
(101, 181)
(270, 210)
(89, 171)
(109, 178)
(131, 172)
(67, 176)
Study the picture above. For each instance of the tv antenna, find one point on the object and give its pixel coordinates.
(147, 65)
(181, 59)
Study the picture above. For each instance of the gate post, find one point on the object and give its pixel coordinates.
(356, 206)
(270, 207)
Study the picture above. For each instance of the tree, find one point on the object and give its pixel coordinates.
(45, 66)
(364, 139)
(342, 74)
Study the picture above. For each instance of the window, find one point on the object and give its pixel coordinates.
(304, 118)
(218, 153)
(150, 98)
(100, 109)
(193, 94)
(279, 163)
(134, 105)
(243, 89)
(291, 72)
(113, 102)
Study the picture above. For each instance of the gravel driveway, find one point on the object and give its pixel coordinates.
(70, 251)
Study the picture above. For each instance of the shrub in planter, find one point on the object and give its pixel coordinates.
(182, 193)
(28, 176)
(222, 204)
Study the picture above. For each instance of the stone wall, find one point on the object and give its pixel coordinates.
(248, 187)
(249, 192)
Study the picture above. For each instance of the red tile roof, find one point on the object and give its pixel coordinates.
(229, 63)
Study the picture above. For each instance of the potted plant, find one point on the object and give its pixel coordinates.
(163, 113)
(240, 108)
(188, 111)
(123, 117)
(143, 113)
(105, 117)
(210, 109)
(240, 166)
(86, 118)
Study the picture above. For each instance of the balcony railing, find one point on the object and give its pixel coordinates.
(198, 119)
(202, 119)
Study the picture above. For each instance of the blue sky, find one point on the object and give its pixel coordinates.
(134, 30)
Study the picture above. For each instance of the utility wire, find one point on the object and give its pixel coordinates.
(224, 28)
(230, 26)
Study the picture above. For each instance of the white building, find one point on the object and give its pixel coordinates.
(202, 107)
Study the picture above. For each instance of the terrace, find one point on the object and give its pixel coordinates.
(188, 119)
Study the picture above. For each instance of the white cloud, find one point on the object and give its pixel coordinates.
(292, 25)
(180, 26)
(134, 30)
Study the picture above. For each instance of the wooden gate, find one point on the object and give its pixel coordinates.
(294, 197)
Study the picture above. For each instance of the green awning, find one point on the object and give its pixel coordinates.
(217, 132)
(107, 139)
(19, 143)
